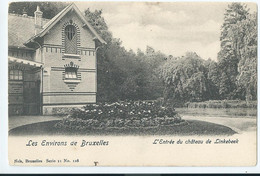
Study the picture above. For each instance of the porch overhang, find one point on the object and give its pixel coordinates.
(27, 63)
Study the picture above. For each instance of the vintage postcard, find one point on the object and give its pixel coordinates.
(132, 83)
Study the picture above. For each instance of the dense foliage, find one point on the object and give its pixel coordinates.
(223, 104)
(234, 76)
(238, 54)
(121, 114)
(124, 110)
(184, 79)
(126, 75)
(50, 9)
(247, 66)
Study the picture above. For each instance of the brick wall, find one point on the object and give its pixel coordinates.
(56, 91)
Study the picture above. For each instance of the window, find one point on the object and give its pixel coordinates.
(70, 32)
(16, 75)
(70, 39)
(70, 73)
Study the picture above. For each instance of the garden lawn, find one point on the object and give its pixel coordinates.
(191, 127)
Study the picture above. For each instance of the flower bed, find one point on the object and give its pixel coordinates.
(140, 114)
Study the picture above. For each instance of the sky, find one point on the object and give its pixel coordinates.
(174, 28)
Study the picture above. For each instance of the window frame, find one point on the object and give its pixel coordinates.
(70, 31)
(71, 39)
(71, 73)
(16, 73)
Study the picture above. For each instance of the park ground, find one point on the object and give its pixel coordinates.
(239, 125)
(17, 121)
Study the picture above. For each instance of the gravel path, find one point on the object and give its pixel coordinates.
(16, 121)
(239, 125)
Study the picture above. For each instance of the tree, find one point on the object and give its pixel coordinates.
(247, 66)
(49, 9)
(98, 22)
(123, 74)
(110, 76)
(238, 55)
(185, 79)
(213, 78)
(229, 55)
(152, 61)
(224, 86)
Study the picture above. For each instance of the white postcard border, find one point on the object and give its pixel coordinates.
(5, 168)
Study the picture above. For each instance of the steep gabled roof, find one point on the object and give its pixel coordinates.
(55, 19)
(20, 29)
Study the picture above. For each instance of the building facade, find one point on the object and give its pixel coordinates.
(52, 63)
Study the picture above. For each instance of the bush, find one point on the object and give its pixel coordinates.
(121, 114)
(123, 110)
(222, 104)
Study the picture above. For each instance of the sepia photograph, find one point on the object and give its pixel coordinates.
(132, 80)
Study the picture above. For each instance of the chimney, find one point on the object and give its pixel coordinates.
(38, 20)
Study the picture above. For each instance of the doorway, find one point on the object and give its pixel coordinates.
(31, 96)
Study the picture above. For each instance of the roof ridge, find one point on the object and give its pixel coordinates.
(56, 18)
(31, 17)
